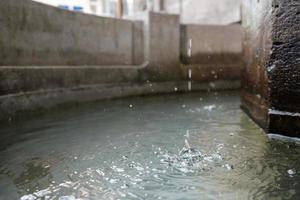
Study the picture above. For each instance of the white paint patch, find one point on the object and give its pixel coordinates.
(190, 73)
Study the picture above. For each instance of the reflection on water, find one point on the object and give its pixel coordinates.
(194, 146)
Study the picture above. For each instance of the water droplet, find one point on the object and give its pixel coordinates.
(139, 168)
(228, 166)
(271, 68)
(212, 85)
(187, 134)
(291, 172)
(67, 198)
(113, 181)
(28, 197)
(209, 107)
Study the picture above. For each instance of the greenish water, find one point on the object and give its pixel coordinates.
(188, 146)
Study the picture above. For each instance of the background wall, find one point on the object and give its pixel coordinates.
(215, 51)
(29, 34)
(214, 12)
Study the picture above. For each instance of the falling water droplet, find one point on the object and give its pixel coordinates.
(291, 172)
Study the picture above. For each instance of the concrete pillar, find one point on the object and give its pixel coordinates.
(271, 77)
(120, 8)
(161, 5)
(162, 46)
(158, 5)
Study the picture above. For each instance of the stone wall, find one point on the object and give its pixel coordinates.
(271, 77)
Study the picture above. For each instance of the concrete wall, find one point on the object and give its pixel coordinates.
(215, 51)
(210, 12)
(163, 46)
(271, 77)
(30, 32)
(50, 57)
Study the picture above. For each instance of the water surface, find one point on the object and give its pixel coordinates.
(192, 146)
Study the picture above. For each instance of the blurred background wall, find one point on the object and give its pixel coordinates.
(216, 12)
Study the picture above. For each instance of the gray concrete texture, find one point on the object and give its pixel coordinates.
(163, 47)
(215, 51)
(34, 34)
(216, 12)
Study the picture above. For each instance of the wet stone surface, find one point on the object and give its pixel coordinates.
(271, 76)
(194, 146)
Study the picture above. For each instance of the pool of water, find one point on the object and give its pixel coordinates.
(187, 146)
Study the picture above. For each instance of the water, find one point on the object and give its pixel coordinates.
(193, 146)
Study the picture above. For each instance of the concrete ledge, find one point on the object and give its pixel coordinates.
(256, 108)
(143, 65)
(16, 79)
(14, 105)
(285, 123)
(212, 72)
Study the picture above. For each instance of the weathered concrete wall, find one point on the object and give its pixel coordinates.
(138, 43)
(16, 79)
(34, 34)
(212, 52)
(50, 57)
(271, 77)
(216, 12)
(163, 46)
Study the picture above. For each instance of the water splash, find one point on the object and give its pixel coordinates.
(210, 107)
(191, 160)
